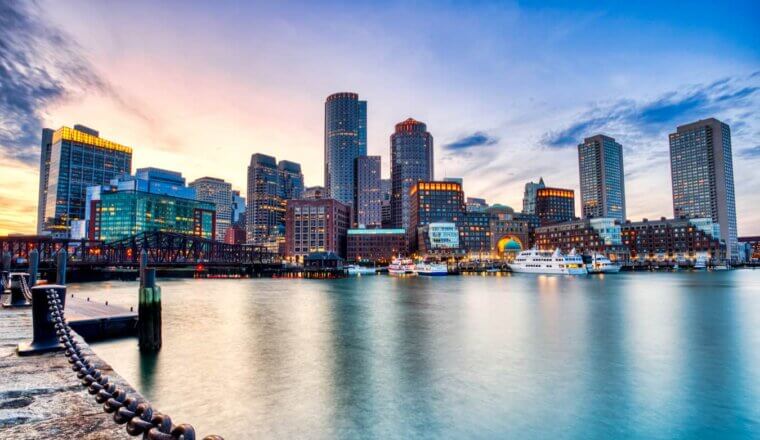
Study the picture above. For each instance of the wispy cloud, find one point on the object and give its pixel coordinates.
(751, 153)
(665, 112)
(474, 140)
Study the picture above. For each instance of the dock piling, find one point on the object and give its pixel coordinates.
(61, 259)
(149, 311)
(44, 337)
(34, 267)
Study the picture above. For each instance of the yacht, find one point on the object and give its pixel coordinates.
(601, 264)
(432, 269)
(536, 261)
(355, 269)
(700, 263)
(401, 266)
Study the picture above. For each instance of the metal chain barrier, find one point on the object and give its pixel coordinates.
(25, 289)
(136, 413)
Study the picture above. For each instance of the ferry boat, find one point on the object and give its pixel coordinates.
(601, 264)
(700, 263)
(536, 261)
(355, 269)
(401, 266)
(432, 269)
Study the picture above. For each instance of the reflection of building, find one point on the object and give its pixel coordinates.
(587, 236)
(434, 202)
(600, 160)
(75, 160)
(555, 205)
(752, 247)
(152, 200)
(702, 173)
(368, 197)
(529, 198)
(345, 140)
(375, 245)
(313, 193)
(218, 192)
(671, 240)
(411, 162)
(316, 226)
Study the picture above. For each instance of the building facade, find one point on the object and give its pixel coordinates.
(677, 241)
(238, 209)
(411, 162)
(476, 232)
(265, 210)
(586, 236)
(73, 160)
(46, 144)
(434, 202)
(702, 174)
(316, 226)
(314, 193)
(375, 245)
(555, 205)
(218, 192)
(345, 140)
(600, 161)
(529, 196)
(291, 180)
(752, 248)
(368, 196)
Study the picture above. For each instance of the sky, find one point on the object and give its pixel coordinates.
(507, 89)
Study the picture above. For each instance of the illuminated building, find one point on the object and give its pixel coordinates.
(702, 173)
(218, 192)
(587, 236)
(313, 193)
(752, 248)
(529, 196)
(316, 226)
(434, 202)
(555, 205)
(72, 160)
(291, 180)
(476, 232)
(411, 162)
(675, 241)
(375, 245)
(368, 198)
(509, 234)
(385, 208)
(600, 161)
(345, 140)
(238, 209)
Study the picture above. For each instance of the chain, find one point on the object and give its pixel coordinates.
(134, 412)
(25, 289)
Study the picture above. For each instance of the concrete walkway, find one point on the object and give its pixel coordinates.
(41, 397)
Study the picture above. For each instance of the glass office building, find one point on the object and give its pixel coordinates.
(600, 160)
(76, 159)
(368, 197)
(411, 162)
(345, 140)
(555, 205)
(218, 192)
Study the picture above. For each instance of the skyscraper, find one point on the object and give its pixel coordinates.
(291, 180)
(600, 161)
(218, 192)
(345, 140)
(78, 158)
(702, 174)
(45, 147)
(555, 205)
(265, 209)
(368, 197)
(529, 197)
(238, 208)
(411, 162)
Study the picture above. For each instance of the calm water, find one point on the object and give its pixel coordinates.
(646, 355)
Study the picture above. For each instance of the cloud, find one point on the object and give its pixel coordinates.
(751, 153)
(477, 139)
(663, 113)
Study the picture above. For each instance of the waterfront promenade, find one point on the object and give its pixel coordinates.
(40, 397)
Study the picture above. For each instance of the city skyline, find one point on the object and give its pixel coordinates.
(496, 152)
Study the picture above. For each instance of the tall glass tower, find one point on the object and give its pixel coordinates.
(345, 140)
(702, 174)
(265, 210)
(600, 160)
(411, 162)
(218, 192)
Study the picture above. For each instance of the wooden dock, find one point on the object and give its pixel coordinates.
(96, 321)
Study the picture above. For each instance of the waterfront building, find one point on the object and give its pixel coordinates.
(434, 202)
(316, 226)
(555, 205)
(411, 162)
(476, 232)
(235, 234)
(152, 200)
(702, 173)
(291, 180)
(375, 245)
(73, 160)
(588, 236)
(368, 197)
(439, 238)
(529, 196)
(751, 248)
(218, 192)
(675, 241)
(385, 208)
(600, 161)
(313, 193)
(509, 235)
(264, 213)
(475, 204)
(345, 140)
(238, 209)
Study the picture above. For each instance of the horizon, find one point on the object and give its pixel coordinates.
(507, 101)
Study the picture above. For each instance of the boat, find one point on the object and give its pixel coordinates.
(537, 261)
(355, 269)
(601, 264)
(721, 267)
(700, 263)
(432, 269)
(401, 266)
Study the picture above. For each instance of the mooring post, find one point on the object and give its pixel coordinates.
(143, 265)
(61, 259)
(18, 296)
(149, 312)
(44, 336)
(34, 267)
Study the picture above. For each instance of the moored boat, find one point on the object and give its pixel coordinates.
(601, 264)
(355, 269)
(547, 262)
(401, 266)
(432, 269)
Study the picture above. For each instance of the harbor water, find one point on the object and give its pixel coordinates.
(631, 355)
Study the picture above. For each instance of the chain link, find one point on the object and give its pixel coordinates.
(135, 413)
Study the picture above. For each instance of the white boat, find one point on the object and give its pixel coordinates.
(401, 266)
(700, 263)
(721, 267)
(601, 264)
(355, 269)
(536, 261)
(432, 269)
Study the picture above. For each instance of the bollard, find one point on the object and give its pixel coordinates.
(34, 267)
(61, 258)
(17, 298)
(44, 337)
(149, 312)
(143, 260)
(7, 261)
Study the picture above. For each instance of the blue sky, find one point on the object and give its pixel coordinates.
(507, 88)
